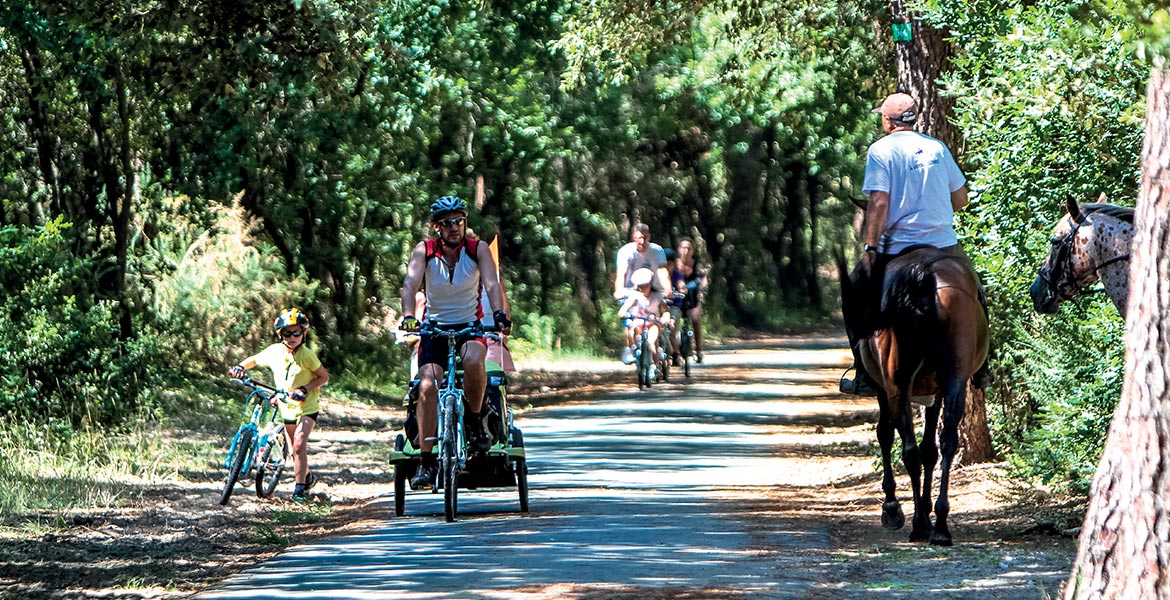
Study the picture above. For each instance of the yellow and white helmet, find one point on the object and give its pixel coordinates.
(289, 317)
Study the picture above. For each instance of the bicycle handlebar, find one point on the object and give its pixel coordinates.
(432, 329)
(252, 383)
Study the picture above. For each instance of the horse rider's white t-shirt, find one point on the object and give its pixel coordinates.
(919, 173)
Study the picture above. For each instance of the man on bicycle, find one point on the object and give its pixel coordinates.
(453, 268)
(638, 254)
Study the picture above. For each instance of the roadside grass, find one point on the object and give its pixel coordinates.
(50, 469)
(55, 468)
(530, 353)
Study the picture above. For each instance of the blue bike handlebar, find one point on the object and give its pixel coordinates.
(252, 383)
(477, 330)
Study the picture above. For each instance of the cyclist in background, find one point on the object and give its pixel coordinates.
(453, 268)
(640, 253)
(644, 309)
(687, 278)
(296, 370)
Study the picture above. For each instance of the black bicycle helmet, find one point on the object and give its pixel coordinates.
(289, 317)
(447, 204)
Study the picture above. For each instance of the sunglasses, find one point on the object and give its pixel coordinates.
(457, 221)
(292, 334)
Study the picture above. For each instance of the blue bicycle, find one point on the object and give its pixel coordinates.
(261, 442)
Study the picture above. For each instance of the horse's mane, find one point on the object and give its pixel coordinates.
(1123, 213)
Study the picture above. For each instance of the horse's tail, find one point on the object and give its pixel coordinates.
(855, 309)
(909, 304)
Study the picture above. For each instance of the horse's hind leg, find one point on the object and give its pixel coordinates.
(912, 461)
(892, 516)
(953, 410)
(922, 528)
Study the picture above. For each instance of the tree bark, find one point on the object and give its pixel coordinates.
(920, 62)
(974, 434)
(1124, 550)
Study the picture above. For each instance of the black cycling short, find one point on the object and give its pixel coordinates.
(294, 422)
(432, 349)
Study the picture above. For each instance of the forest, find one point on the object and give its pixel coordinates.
(174, 173)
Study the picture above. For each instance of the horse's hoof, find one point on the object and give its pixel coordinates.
(941, 539)
(921, 536)
(892, 516)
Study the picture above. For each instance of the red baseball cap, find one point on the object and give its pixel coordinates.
(896, 106)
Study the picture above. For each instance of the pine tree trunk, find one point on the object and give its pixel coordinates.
(974, 434)
(1124, 551)
(920, 62)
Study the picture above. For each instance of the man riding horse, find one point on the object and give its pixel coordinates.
(914, 188)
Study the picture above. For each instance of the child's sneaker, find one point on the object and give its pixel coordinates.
(627, 356)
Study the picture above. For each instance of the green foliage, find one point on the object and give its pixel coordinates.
(216, 291)
(65, 359)
(332, 125)
(1074, 389)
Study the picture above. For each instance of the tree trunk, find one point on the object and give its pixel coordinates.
(1124, 551)
(123, 210)
(974, 434)
(920, 62)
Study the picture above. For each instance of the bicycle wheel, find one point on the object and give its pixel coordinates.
(449, 459)
(663, 361)
(399, 479)
(685, 347)
(271, 465)
(645, 361)
(243, 446)
(520, 466)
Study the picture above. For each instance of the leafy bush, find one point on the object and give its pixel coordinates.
(216, 289)
(1051, 102)
(1074, 370)
(65, 358)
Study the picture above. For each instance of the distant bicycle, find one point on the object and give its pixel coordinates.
(261, 442)
(651, 368)
(686, 334)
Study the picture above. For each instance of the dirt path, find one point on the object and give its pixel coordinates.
(174, 540)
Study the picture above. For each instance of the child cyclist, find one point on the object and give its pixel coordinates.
(297, 370)
(644, 308)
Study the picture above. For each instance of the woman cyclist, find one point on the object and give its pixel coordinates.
(297, 370)
(687, 278)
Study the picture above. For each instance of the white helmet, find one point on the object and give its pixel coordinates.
(642, 277)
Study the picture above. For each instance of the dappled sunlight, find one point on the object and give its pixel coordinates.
(624, 538)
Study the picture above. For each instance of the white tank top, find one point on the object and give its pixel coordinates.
(453, 293)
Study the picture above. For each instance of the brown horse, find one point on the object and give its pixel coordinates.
(1091, 242)
(921, 345)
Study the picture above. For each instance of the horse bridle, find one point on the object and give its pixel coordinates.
(1071, 285)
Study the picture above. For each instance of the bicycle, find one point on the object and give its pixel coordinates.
(644, 360)
(505, 464)
(686, 334)
(260, 442)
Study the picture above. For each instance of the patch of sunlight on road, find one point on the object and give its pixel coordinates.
(800, 358)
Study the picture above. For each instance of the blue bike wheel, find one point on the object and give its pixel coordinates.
(243, 447)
